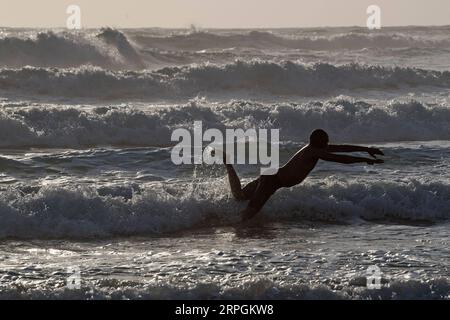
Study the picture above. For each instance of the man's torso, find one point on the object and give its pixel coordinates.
(298, 167)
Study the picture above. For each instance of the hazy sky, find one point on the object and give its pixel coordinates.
(222, 13)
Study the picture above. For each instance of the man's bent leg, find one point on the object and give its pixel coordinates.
(237, 191)
(267, 185)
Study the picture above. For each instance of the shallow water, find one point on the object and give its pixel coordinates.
(265, 260)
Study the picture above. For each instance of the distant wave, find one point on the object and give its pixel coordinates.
(267, 40)
(138, 49)
(346, 120)
(159, 208)
(251, 77)
(108, 49)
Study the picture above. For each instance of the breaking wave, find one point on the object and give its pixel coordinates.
(141, 48)
(250, 77)
(108, 49)
(159, 208)
(346, 120)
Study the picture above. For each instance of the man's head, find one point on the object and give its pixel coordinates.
(318, 139)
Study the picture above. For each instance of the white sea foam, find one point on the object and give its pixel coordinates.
(255, 76)
(158, 208)
(257, 289)
(345, 119)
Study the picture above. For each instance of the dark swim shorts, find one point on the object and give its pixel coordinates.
(260, 190)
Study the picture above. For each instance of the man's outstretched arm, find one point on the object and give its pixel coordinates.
(351, 148)
(324, 155)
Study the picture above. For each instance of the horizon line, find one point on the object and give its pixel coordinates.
(194, 26)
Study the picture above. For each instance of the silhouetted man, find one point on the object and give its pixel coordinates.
(294, 171)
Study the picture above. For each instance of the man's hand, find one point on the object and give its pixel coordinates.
(373, 161)
(374, 151)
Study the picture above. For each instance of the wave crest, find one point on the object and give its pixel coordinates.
(345, 120)
(83, 212)
(251, 77)
(108, 49)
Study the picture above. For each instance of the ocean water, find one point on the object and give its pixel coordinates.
(87, 182)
